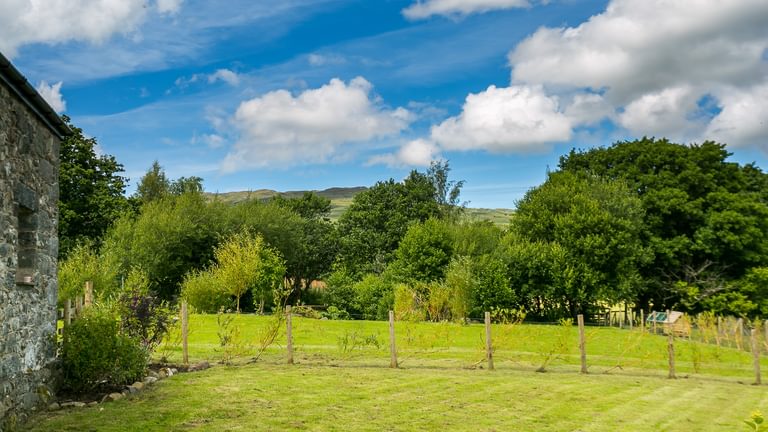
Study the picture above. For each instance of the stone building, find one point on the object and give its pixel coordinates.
(30, 136)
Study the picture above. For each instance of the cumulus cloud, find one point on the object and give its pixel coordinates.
(637, 46)
(279, 128)
(419, 152)
(55, 21)
(427, 8)
(225, 75)
(516, 118)
(663, 113)
(652, 60)
(743, 119)
(52, 95)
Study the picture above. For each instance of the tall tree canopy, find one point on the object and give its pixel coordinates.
(594, 226)
(379, 217)
(91, 190)
(704, 215)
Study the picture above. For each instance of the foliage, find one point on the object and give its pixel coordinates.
(245, 262)
(756, 422)
(334, 313)
(94, 353)
(170, 237)
(154, 185)
(340, 291)
(424, 252)
(143, 317)
(596, 224)
(83, 264)
(462, 283)
(698, 209)
(408, 304)
(492, 289)
(231, 344)
(374, 297)
(379, 217)
(91, 191)
(446, 191)
(203, 292)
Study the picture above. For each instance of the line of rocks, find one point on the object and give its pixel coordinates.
(151, 378)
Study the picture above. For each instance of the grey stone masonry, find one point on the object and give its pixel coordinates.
(29, 189)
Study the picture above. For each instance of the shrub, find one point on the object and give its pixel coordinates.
(334, 313)
(408, 304)
(340, 292)
(374, 297)
(94, 354)
(144, 317)
(203, 293)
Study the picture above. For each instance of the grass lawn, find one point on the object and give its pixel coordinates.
(341, 382)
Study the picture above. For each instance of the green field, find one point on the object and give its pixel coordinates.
(341, 381)
(341, 198)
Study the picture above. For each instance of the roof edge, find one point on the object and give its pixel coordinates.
(31, 98)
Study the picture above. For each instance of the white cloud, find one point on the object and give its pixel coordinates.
(169, 6)
(743, 120)
(663, 113)
(588, 109)
(56, 21)
(225, 75)
(427, 8)
(640, 46)
(516, 118)
(279, 128)
(652, 60)
(52, 95)
(419, 152)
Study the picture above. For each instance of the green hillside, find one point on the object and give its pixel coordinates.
(341, 199)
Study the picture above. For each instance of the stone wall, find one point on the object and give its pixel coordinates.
(29, 163)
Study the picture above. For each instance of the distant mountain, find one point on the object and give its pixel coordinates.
(341, 198)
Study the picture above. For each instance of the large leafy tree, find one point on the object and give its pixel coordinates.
(595, 226)
(379, 217)
(91, 191)
(701, 211)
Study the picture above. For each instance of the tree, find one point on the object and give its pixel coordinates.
(309, 206)
(597, 223)
(154, 185)
(446, 191)
(245, 262)
(699, 208)
(91, 191)
(183, 185)
(424, 252)
(379, 217)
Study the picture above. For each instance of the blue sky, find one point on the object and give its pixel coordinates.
(303, 94)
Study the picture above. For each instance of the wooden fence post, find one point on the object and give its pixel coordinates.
(765, 336)
(488, 341)
(289, 333)
(582, 343)
(671, 350)
(756, 356)
(392, 348)
(642, 321)
(184, 332)
(88, 294)
(718, 331)
(739, 332)
(653, 314)
(67, 312)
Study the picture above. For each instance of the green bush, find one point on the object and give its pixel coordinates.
(203, 292)
(95, 355)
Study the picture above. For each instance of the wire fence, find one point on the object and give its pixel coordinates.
(702, 346)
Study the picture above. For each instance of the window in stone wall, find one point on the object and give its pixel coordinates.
(26, 246)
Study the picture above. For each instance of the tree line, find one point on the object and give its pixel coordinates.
(648, 223)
